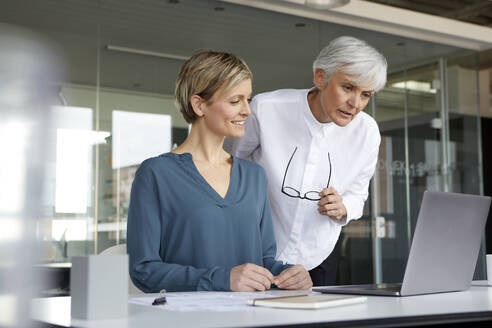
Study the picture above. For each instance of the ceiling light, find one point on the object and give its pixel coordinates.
(146, 52)
(415, 86)
(326, 4)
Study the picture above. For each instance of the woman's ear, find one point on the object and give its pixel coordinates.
(319, 78)
(197, 103)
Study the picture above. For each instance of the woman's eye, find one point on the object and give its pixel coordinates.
(249, 100)
(347, 87)
(366, 95)
(235, 101)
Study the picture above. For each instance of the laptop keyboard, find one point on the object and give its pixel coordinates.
(392, 287)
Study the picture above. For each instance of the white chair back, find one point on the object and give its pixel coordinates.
(120, 250)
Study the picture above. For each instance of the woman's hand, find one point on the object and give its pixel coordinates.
(250, 277)
(331, 204)
(295, 277)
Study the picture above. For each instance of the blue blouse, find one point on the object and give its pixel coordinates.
(182, 235)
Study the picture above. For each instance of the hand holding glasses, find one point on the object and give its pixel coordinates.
(331, 204)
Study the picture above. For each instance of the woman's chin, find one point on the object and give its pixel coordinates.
(235, 134)
(343, 120)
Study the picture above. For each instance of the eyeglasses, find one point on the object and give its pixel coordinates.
(294, 193)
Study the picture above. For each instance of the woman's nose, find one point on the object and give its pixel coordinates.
(246, 110)
(355, 100)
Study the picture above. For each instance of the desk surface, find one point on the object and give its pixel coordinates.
(471, 305)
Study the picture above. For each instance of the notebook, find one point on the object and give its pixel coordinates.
(444, 248)
(307, 301)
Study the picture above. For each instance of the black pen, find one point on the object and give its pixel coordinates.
(161, 299)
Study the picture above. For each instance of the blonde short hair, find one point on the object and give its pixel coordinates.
(203, 74)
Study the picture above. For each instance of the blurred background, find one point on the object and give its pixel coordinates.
(88, 95)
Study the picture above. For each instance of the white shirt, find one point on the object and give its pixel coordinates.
(280, 121)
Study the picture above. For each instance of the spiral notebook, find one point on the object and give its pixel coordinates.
(307, 301)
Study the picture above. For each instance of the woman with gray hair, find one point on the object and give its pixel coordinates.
(319, 151)
(199, 218)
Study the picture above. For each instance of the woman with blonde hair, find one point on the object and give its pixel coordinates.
(200, 218)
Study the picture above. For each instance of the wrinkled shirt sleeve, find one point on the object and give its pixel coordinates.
(356, 195)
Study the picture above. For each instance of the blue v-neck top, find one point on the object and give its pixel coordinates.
(182, 235)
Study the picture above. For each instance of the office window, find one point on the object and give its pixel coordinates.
(114, 107)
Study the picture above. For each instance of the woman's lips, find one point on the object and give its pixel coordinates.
(345, 113)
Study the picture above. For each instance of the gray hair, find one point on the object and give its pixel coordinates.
(354, 57)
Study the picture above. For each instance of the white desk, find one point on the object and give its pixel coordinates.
(468, 306)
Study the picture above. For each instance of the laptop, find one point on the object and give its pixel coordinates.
(444, 249)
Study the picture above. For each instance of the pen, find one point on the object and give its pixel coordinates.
(276, 298)
(161, 299)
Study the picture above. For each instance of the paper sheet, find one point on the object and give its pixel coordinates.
(204, 301)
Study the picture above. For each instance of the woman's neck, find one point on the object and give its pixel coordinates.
(316, 106)
(203, 146)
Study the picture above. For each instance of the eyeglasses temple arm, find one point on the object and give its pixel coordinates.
(287, 168)
(329, 177)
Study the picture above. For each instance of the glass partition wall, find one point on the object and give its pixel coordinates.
(115, 108)
(427, 115)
